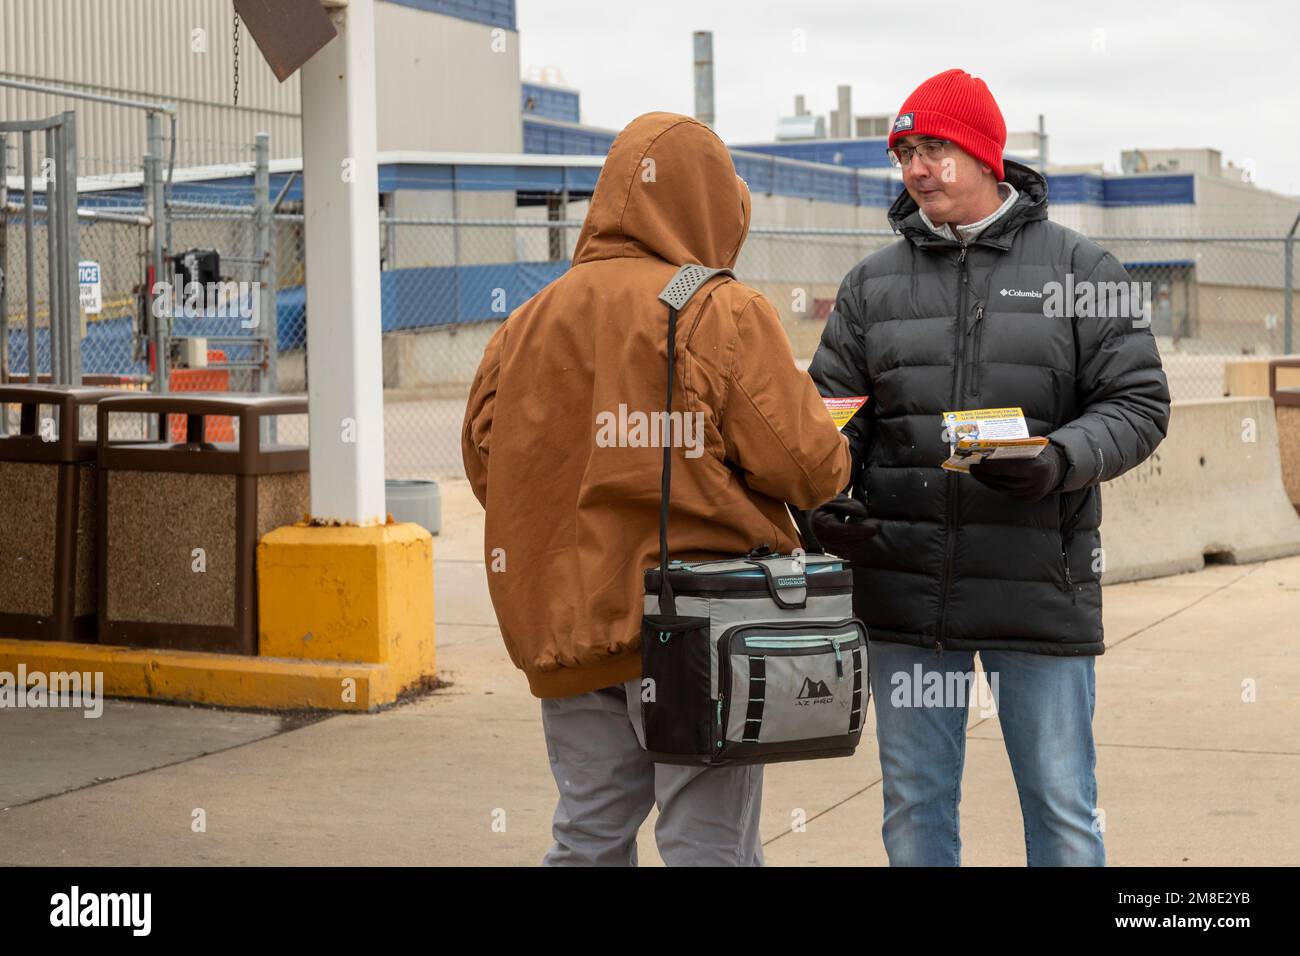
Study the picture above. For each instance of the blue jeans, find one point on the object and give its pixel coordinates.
(1045, 705)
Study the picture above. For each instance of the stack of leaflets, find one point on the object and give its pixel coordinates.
(983, 434)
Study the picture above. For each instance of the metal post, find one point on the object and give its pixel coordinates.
(265, 277)
(1288, 287)
(266, 330)
(4, 269)
(554, 237)
(1042, 145)
(30, 249)
(154, 203)
(54, 263)
(344, 360)
(272, 317)
(73, 331)
(147, 187)
(564, 214)
(703, 41)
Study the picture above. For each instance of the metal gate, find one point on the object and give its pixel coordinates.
(51, 348)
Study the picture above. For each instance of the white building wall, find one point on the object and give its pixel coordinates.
(442, 85)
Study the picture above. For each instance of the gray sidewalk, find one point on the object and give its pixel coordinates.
(1188, 771)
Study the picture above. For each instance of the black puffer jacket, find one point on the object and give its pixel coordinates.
(924, 326)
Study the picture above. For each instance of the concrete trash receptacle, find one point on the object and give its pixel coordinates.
(48, 569)
(179, 522)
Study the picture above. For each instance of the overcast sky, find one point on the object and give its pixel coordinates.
(1164, 74)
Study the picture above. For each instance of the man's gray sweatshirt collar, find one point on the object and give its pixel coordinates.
(968, 233)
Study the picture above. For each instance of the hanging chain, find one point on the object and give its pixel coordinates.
(236, 59)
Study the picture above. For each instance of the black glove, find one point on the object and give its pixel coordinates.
(843, 525)
(1025, 479)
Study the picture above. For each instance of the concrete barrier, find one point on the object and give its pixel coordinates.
(1278, 378)
(1212, 489)
(1250, 376)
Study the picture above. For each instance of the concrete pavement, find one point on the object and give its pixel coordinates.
(1189, 772)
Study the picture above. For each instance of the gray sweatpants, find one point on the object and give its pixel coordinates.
(708, 816)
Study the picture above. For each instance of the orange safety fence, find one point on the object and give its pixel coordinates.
(217, 427)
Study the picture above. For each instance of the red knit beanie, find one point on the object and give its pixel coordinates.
(955, 106)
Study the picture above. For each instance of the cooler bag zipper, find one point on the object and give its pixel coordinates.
(775, 643)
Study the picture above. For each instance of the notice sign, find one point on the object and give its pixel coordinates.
(92, 299)
(842, 409)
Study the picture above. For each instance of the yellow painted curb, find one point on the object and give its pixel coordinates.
(227, 680)
(346, 623)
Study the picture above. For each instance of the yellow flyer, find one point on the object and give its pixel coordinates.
(984, 433)
(844, 408)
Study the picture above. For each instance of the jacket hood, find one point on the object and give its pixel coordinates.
(668, 189)
(1031, 204)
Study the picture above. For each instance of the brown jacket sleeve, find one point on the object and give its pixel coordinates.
(774, 423)
(476, 433)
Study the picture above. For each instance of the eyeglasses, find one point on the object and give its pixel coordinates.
(931, 151)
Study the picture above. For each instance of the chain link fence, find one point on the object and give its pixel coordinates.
(106, 349)
(446, 284)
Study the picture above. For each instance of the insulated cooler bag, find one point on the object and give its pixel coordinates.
(760, 662)
(753, 659)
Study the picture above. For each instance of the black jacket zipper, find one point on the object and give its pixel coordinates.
(1069, 581)
(976, 329)
(1065, 557)
(954, 485)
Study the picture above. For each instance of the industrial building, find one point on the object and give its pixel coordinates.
(821, 186)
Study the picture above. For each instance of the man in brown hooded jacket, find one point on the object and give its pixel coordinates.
(556, 449)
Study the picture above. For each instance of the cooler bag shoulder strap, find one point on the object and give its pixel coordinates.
(687, 281)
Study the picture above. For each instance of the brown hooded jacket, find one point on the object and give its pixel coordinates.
(558, 442)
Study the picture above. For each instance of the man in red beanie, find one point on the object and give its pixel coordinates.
(956, 316)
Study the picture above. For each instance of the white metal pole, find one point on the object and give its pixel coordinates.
(341, 199)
